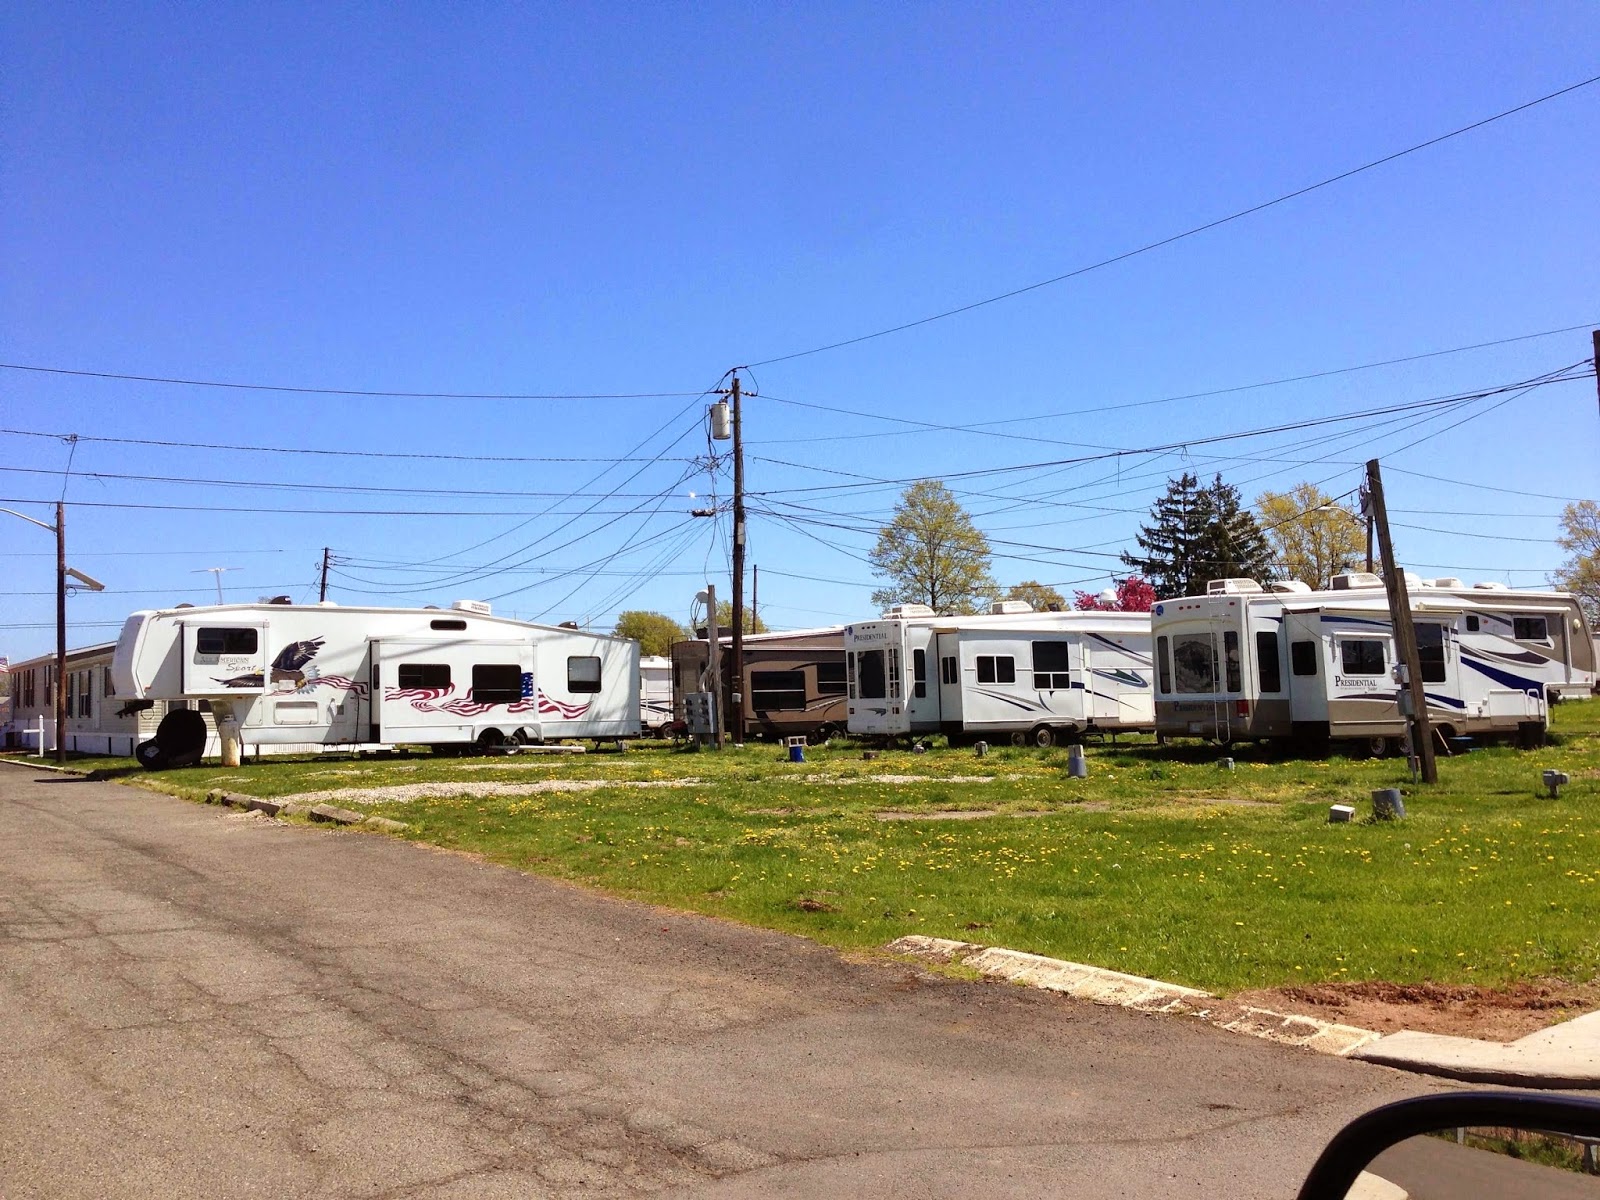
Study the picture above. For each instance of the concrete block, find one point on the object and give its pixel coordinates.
(262, 805)
(339, 816)
(385, 824)
(290, 809)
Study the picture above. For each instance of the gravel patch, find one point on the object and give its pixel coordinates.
(400, 793)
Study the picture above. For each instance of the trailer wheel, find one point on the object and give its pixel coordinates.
(1044, 737)
(489, 739)
(1019, 738)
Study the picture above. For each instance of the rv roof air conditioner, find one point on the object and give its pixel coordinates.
(1489, 586)
(1288, 585)
(1231, 587)
(1447, 581)
(480, 607)
(1355, 579)
(1002, 608)
(907, 610)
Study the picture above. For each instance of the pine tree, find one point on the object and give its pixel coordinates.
(1197, 534)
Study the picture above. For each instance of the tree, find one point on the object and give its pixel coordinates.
(1313, 539)
(1041, 596)
(1133, 594)
(1197, 534)
(931, 553)
(655, 632)
(1580, 536)
(752, 622)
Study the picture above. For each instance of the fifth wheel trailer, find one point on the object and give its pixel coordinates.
(793, 685)
(1285, 663)
(1031, 677)
(336, 675)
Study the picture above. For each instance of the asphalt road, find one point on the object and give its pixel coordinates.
(196, 1002)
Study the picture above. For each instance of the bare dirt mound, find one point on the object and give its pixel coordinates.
(1494, 1014)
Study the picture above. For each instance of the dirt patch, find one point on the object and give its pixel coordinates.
(1461, 1010)
(401, 792)
(949, 814)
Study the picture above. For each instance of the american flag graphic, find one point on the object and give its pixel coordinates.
(343, 682)
(533, 700)
(568, 711)
(420, 699)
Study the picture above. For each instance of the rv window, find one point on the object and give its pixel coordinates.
(225, 641)
(1529, 629)
(1472, 622)
(919, 672)
(1230, 659)
(496, 683)
(1303, 658)
(850, 673)
(1361, 656)
(1051, 665)
(773, 691)
(870, 675)
(424, 675)
(997, 668)
(1268, 670)
(447, 623)
(949, 672)
(893, 672)
(1164, 664)
(1194, 660)
(583, 673)
(830, 679)
(1430, 652)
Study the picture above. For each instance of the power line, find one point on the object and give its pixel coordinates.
(986, 427)
(329, 391)
(1188, 233)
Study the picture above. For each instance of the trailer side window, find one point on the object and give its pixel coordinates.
(1230, 659)
(1529, 629)
(1430, 652)
(1268, 670)
(1164, 664)
(583, 673)
(496, 683)
(893, 673)
(1472, 622)
(996, 668)
(830, 679)
(450, 623)
(225, 641)
(949, 671)
(1361, 656)
(850, 674)
(1051, 665)
(777, 691)
(1194, 661)
(424, 675)
(919, 672)
(870, 679)
(1303, 658)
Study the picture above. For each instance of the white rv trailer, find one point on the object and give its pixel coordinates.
(337, 675)
(655, 693)
(1288, 663)
(1029, 676)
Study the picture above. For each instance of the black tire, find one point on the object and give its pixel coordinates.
(1044, 737)
(150, 755)
(181, 737)
(1019, 738)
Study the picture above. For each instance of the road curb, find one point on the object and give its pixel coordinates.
(327, 813)
(41, 766)
(1101, 986)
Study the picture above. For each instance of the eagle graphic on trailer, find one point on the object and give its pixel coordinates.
(365, 676)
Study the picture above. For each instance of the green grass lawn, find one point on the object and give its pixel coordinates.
(1160, 863)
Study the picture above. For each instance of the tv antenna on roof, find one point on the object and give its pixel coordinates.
(217, 572)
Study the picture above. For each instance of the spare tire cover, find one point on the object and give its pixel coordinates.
(182, 731)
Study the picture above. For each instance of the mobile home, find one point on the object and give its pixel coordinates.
(655, 694)
(793, 682)
(1031, 677)
(338, 675)
(1288, 663)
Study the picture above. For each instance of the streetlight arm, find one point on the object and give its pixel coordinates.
(30, 520)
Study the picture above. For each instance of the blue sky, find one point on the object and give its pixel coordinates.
(624, 201)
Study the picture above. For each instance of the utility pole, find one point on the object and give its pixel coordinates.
(1405, 631)
(323, 592)
(736, 667)
(1597, 364)
(755, 586)
(61, 634)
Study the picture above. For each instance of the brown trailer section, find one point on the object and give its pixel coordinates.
(794, 683)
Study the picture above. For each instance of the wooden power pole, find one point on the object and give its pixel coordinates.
(714, 650)
(736, 667)
(1405, 631)
(323, 592)
(61, 637)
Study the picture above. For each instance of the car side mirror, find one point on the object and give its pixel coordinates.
(1464, 1144)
